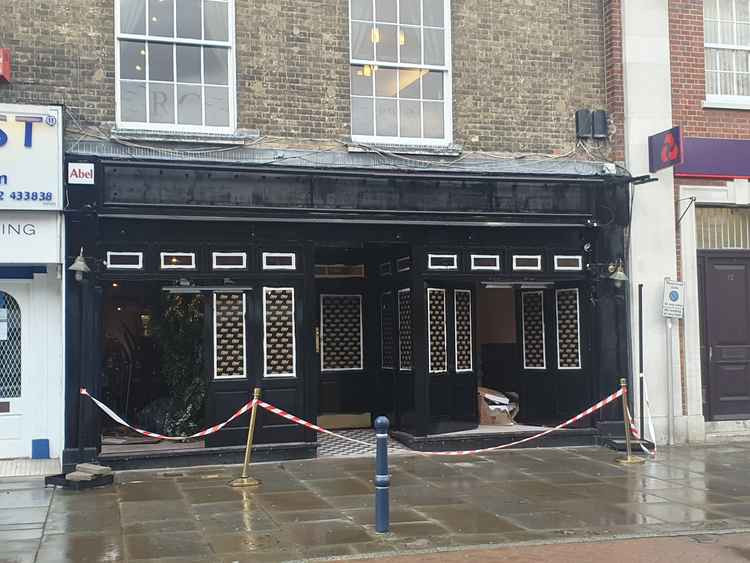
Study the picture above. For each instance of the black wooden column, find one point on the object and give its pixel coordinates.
(419, 343)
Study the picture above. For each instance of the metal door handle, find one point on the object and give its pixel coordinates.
(317, 340)
(710, 353)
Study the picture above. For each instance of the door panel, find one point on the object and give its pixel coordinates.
(15, 391)
(727, 299)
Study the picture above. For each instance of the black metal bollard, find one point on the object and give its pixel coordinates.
(382, 478)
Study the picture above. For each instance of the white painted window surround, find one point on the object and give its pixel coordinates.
(727, 53)
(400, 68)
(175, 66)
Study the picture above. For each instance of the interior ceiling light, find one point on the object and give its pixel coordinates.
(375, 35)
(401, 38)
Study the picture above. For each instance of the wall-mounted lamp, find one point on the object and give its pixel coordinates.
(79, 267)
(617, 274)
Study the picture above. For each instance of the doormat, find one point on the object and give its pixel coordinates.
(330, 446)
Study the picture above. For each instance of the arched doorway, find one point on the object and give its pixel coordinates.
(11, 378)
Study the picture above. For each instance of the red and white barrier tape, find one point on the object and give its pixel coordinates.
(617, 394)
(117, 418)
(301, 422)
(637, 435)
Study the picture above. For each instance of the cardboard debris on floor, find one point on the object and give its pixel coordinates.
(497, 408)
(93, 469)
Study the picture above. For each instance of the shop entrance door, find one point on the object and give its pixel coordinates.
(346, 391)
(727, 323)
(15, 383)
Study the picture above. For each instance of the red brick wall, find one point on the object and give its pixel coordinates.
(614, 76)
(689, 79)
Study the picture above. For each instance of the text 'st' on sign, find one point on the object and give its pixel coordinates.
(665, 149)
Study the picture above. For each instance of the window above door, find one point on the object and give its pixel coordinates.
(174, 64)
(400, 66)
(727, 52)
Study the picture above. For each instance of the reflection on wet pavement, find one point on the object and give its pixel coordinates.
(324, 508)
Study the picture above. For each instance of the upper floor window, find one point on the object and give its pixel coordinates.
(400, 71)
(175, 65)
(727, 42)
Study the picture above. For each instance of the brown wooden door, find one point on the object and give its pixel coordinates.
(727, 310)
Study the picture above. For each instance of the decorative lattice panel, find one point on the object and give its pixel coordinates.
(404, 329)
(278, 318)
(464, 351)
(534, 355)
(386, 329)
(229, 334)
(568, 329)
(436, 328)
(341, 332)
(10, 347)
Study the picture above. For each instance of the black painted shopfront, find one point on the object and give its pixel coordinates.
(344, 294)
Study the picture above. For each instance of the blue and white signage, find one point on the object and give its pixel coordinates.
(31, 153)
(674, 299)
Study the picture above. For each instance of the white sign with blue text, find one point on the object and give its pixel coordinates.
(674, 299)
(31, 154)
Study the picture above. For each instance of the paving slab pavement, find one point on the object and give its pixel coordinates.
(323, 508)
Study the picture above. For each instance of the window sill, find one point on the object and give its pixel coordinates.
(446, 149)
(236, 138)
(721, 104)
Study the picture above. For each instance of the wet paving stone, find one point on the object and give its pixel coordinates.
(693, 497)
(153, 510)
(216, 493)
(22, 516)
(678, 513)
(25, 498)
(468, 520)
(285, 502)
(327, 533)
(366, 516)
(549, 520)
(176, 544)
(151, 490)
(82, 521)
(183, 525)
(247, 542)
(83, 501)
(245, 521)
(81, 548)
(340, 487)
(298, 516)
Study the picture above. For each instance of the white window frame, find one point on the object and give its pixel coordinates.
(453, 256)
(429, 330)
(568, 268)
(495, 257)
(578, 326)
(523, 331)
(447, 71)
(294, 335)
(139, 266)
(267, 255)
(164, 266)
(174, 127)
(725, 101)
(455, 332)
(244, 339)
(537, 268)
(403, 264)
(361, 334)
(216, 255)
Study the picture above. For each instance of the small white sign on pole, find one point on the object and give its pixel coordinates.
(674, 299)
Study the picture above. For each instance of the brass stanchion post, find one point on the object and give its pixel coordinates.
(629, 459)
(245, 480)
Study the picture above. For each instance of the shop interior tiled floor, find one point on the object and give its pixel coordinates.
(324, 507)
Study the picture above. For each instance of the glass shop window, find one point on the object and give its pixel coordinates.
(177, 260)
(229, 335)
(229, 260)
(124, 260)
(279, 261)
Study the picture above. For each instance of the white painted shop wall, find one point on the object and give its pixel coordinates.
(42, 404)
(648, 110)
(735, 192)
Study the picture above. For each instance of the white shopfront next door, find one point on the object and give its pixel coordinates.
(16, 383)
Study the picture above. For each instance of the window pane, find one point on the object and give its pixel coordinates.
(160, 62)
(726, 60)
(188, 63)
(742, 61)
(409, 82)
(434, 47)
(726, 83)
(743, 84)
(433, 120)
(433, 13)
(709, 9)
(161, 14)
(411, 125)
(385, 11)
(712, 32)
(189, 105)
(710, 59)
(361, 80)
(362, 116)
(189, 19)
(725, 10)
(362, 10)
(409, 12)
(215, 63)
(432, 85)
(385, 118)
(386, 43)
(743, 11)
(712, 83)
(743, 34)
(217, 106)
(133, 16)
(362, 45)
(161, 103)
(133, 101)
(409, 39)
(385, 82)
(133, 60)
(726, 33)
(216, 21)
